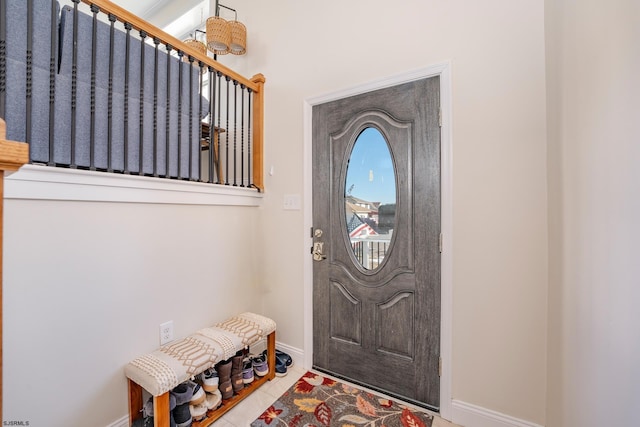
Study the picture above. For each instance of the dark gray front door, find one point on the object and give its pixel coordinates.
(376, 276)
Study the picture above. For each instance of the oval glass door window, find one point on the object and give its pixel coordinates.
(370, 198)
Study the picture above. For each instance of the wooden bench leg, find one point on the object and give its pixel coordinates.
(271, 355)
(135, 401)
(161, 410)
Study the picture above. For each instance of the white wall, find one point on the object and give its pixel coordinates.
(594, 186)
(86, 285)
(304, 49)
(496, 47)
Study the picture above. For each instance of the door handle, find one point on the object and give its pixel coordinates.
(318, 255)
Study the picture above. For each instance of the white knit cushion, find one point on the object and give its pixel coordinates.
(165, 368)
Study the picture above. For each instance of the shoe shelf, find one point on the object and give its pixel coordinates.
(161, 403)
(228, 404)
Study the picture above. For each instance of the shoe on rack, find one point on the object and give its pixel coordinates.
(226, 389)
(209, 380)
(147, 409)
(198, 412)
(281, 367)
(182, 393)
(260, 366)
(247, 371)
(182, 415)
(236, 372)
(213, 400)
(224, 371)
(198, 393)
(143, 422)
(288, 361)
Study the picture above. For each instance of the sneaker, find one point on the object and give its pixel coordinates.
(213, 400)
(209, 380)
(247, 371)
(260, 365)
(288, 361)
(182, 415)
(281, 367)
(198, 412)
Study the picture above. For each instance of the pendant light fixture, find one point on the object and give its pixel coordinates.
(226, 36)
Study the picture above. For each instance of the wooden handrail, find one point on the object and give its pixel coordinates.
(12, 156)
(152, 31)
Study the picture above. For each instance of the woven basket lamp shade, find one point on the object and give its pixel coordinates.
(218, 35)
(195, 45)
(238, 45)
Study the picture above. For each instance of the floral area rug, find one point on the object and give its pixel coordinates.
(315, 401)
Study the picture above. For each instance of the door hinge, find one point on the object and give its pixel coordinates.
(440, 117)
(440, 243)
(440, 367)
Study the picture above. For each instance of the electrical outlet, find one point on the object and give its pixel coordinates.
(166, 332)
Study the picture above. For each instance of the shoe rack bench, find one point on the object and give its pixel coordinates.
(157, 371)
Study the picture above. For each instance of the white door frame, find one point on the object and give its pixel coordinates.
(444, 71)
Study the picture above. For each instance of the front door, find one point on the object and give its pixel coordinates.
(376, 219)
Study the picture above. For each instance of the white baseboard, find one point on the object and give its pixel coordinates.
(122, 422)
(469, 415)
(296, 354)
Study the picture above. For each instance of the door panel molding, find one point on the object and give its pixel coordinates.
(400, 256)
(443, 70)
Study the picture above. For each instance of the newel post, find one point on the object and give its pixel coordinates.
(258, 132)
(12, 156)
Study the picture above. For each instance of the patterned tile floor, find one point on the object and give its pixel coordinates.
(254, 405)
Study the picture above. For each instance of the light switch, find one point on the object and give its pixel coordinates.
(291, 202)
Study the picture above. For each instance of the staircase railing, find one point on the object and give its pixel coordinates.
(113, 93)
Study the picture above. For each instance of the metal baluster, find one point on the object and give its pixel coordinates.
(156, 41)
(143, 35)
(219, 79)
(167, 128)
(201, 64)
(370, 256)
(112, 20)
(180, 55)
(212, 132)
(242, 137)
(94, 44)
(226, 151)
(30, 12)
(74, 85)
(127, 26)
(52, 81)
(190, 153)
(235, 133)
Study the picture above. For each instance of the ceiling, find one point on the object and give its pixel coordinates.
(176, 17)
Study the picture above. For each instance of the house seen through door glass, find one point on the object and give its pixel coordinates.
(370, 198)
